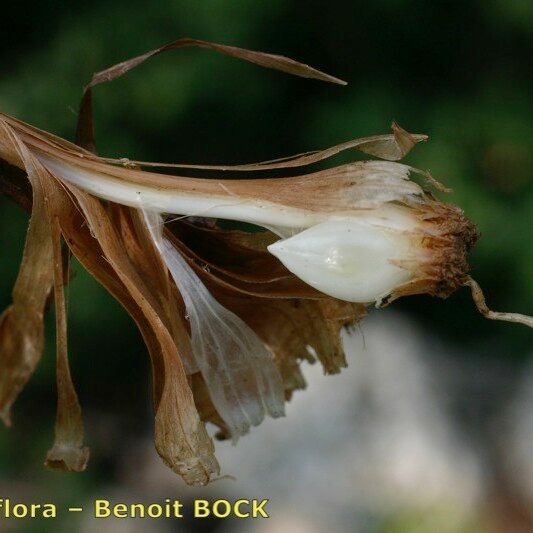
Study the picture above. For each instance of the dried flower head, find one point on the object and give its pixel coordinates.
(227, 316)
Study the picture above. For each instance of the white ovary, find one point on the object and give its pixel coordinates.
(350, 259)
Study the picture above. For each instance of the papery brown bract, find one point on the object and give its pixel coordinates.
(113, 242)
(21, 324)
(121, 256)
(180, 437)
(68, 452)
(389, 147)
(85, 127)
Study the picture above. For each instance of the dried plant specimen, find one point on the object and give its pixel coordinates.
(227, 316)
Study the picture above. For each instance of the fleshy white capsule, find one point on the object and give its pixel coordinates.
(347, 259)
(376, 253)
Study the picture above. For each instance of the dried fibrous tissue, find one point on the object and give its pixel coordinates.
(227, 316)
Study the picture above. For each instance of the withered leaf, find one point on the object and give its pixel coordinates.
(181, 438)
(141, 251)
(68, 452)
(85, 128)
(21, 324)
(392, 147)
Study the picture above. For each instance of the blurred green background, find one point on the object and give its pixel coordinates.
(457, 71)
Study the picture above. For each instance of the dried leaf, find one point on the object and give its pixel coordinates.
(138, 243)
(68, 453)
(298, 330)
(21, 324)
(88, 251)
(389, 147)
(181, 438)
(85, 128)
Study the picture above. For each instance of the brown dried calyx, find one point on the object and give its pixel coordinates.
(443, 240)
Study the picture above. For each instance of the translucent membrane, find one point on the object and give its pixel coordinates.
(240, 373)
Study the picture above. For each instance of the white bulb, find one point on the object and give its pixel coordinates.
(350, 258)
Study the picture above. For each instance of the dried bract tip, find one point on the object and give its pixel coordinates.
(442, 240)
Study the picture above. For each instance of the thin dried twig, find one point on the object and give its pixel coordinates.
(479, 300)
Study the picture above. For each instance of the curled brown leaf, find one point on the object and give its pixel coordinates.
(85, 128)
(21, 324)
